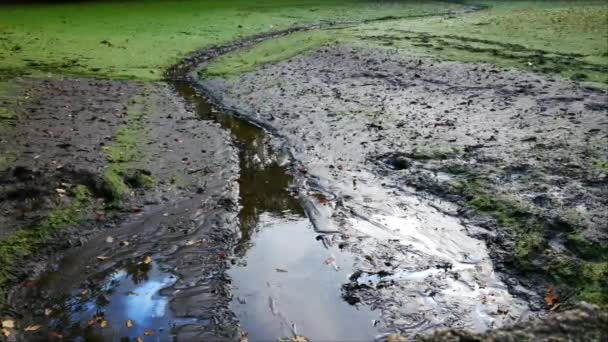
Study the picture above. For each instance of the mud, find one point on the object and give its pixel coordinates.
(378, 141)
(57, 138)
(186, 225)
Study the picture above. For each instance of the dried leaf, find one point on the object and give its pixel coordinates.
(147, 259)
(550, 297)
(129, 323)
(148, 333)
(139, 339)
(54, 334)
(34, 327)
(103, 258)
(9, 323)
(103, 323)
(5, 332)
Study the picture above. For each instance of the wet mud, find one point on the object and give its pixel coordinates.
(167, 250)
(380, 143)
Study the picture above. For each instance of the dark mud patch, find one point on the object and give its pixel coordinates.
(180, 230)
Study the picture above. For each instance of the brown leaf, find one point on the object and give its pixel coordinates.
(129, 323)
(5, 332)
(54, 334)
(550, 297)
(147, 259)
(34, 327)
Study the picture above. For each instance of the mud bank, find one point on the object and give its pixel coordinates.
(163, 192)
(381, 141)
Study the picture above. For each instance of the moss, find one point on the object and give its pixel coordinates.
(27, 242)
(586, 249)
(268, 52)
(125, 152)
(566, 38)
(140, 39)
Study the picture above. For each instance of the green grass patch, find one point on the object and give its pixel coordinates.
(125, 152)
(27, 242)
(140, 39)
(569, 38)
(268, 52)
(582, 269)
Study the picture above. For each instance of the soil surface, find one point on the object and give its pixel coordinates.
(417, 179)
(122, 259)
(369, 129)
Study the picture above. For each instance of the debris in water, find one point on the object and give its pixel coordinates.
(281, 270)
(9, 323)
(34, 327)
(148, 333)
(551, 298)
(129, 324)
(147, 260)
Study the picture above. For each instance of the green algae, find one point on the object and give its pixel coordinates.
(126, 151)
(140, 39)
(28, 241)
(557, 37)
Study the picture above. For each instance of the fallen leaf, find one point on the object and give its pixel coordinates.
(550, 297)
(139, 339)
(147, 259)
(9, 323)
(103, 258)
(129, 323)
(54, 334)
(148, 333)
(5, 332)
(34, 327)
(103, 323)
(221, 254)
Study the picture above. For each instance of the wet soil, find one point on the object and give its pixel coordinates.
(376, 136)
(58, 138)
(183, 228)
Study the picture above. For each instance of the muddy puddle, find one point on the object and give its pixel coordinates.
(285, 281)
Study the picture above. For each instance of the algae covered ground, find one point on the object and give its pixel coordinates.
(141, 39)
(557, 37)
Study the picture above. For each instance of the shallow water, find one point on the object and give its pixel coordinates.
(289, 284)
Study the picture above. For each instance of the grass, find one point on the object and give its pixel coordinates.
(565, 38)
(583, 270)
(27, 242)
(140, 39)
(569, 38)
(267, 52)
(126, 151)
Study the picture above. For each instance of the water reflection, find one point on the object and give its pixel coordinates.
(124, 304)
(263, 185)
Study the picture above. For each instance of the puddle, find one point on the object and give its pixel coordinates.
(100, 310)
(290, 284)
(277, 237)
